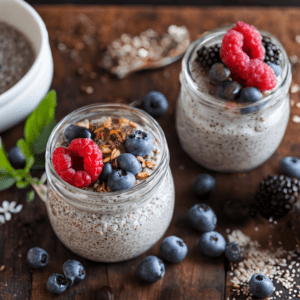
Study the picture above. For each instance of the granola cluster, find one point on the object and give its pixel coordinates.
(110, 136)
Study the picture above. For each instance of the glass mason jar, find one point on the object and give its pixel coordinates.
(114, 226)
(226, 136)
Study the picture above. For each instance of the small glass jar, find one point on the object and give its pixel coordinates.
(114, 226)
(227, 136)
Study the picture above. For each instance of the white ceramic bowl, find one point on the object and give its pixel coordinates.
(21, 99)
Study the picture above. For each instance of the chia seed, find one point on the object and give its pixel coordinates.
(16, 56)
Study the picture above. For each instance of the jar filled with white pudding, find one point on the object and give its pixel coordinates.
(107, 226)
(225, 135)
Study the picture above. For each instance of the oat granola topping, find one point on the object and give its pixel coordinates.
(110, 135)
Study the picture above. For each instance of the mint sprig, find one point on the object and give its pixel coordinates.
(37, 130)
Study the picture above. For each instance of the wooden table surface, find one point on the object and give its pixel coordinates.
(196, 277)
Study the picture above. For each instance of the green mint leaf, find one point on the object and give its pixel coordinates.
(40, 143)
(30, 196)
(6, 181)
(40, 117)
(22, 184)
(25, 149)
(5, 166)
(39, 162)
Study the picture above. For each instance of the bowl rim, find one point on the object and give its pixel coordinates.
(25, 81)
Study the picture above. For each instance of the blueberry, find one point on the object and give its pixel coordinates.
(74, 271)
(204, 185)
(76, 132)
(290, 166)
(276, 68)
(261, 285)
(107, 169)
(120, 180)
(250, 95)
(151, 269)
(130, 163)
(37, 258)
(202, 217)
(233, 252)
(16, 158)
(218, 72)
(139, 143)
(173, 249)
(236, 210)
(155, 104)
(252, 109)
(228, 90)
(57, 283)
(212, 244)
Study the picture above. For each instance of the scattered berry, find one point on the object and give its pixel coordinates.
(207, 56)
(273, 53)
(155, 104)
(276, 68)
(120, 180)
(228, 90)
(218, 72)
(250, 95)
(76, 132)
(130, 163)
(107, 169)
(212, 244)
(233, 252)
(204, 185)
(202, 217)
(173, 249)
(290, 166)
(16, 158)
(57, 283)
(260, 75)
(73, 271)
(139, 143)
(237, 211)
(37, 258)
(151, 269)
(261, 285)
(276, 195)
(80, 164)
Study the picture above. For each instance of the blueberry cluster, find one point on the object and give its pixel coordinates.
(172, 249)
(73, 271)
(139, 143)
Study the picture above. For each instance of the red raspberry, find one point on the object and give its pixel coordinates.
(260, 75)
(242, 51)
(80, 164)
(232, 53)
(252, 40)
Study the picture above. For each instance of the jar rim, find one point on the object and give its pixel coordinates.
(213, 100)
(91, 196)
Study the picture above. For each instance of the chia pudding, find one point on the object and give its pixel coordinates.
(225, 135)
(110, 226)
(16, 56)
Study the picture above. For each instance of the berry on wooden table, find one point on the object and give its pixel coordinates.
(57, 283)
(261, 285)
(155, 104)
(73, 271)
(202, 217)
(290, 166)
(37, 258)
(151, 269)
(16, 158)
(173, 249)
(212, 244)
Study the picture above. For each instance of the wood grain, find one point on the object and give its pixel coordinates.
(196, 277)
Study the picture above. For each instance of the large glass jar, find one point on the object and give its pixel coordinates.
(227, 136)
(114, 226)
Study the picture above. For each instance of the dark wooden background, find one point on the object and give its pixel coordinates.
(175, 2)
(196, 277)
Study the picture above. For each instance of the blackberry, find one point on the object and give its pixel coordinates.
(276, 195)
(273, 53)
(207, 56)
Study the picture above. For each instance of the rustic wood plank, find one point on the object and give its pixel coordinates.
(195, 277)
